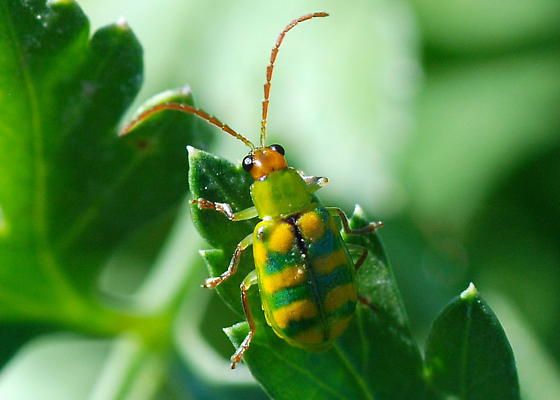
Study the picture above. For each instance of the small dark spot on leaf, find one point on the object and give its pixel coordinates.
(142, 144)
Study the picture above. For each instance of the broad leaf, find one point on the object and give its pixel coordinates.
(216, 179)
(71, 189)
(468, 355)
(375, 358)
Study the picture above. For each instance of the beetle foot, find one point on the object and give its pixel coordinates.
(238, 355)
(203, 204)
(234, 361)
(373, 226)
(211, 283)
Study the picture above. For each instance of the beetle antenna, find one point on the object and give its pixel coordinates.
(270, 67)
(188, 110)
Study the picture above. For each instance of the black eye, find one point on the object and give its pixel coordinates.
(247, 163)
(277, 148)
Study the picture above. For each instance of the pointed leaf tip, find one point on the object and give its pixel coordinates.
(122, 23)
(468, 354)
(193, 151)
(470, 293)
(58, 2)
(185, 90)
(359, 211)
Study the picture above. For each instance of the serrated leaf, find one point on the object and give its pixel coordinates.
(71, 189)
(377, 357)
(468, 355)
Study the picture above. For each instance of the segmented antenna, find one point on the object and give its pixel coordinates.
(270, 68)
(188, 110)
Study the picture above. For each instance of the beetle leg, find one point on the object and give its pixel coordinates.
(363, 256)
(233, 264)
(249, 280)
(365, 301)
(371, 227)
(314, 183)
(226, 209)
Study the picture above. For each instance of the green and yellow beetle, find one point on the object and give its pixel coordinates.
(303, 268)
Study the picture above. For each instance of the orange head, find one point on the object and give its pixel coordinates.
(263, 160)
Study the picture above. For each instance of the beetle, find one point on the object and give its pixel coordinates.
(303, 268)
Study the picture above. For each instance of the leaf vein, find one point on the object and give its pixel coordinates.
(303, 371)
(49, 267)
(353, 373)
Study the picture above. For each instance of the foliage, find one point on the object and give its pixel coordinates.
(73, 194)
(377, 358)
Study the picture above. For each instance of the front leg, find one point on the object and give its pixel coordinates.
(314, 183)
(226, 209)
(233, 264)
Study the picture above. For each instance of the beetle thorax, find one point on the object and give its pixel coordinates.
(280, 193)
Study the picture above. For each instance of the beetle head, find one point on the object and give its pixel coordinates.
(264, 160)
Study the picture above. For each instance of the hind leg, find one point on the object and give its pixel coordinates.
(233, 264)
(363, 254)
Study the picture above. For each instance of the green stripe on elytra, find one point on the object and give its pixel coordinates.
(287, 296)
(325, 245)
(296, 327)
(276, 262)
(338, 277)
(344, 310)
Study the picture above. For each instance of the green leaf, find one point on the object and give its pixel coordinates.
(13, 337)
(377, 357)
(76, 357)
(71, 190)
(468, 355)
(216, 179)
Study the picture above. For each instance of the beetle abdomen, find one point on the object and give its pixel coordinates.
(306, 278)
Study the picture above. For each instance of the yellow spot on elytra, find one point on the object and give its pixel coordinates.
(297, 310)
(282, 238)
(324, 265)
(311, 226)
(339, 327)
(259, 253)
(311, 336)
(288, 277)
(339, 296)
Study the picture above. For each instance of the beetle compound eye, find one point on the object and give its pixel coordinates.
(247, 163)
(277, 148)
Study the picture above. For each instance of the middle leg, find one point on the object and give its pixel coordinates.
(233, 264)
(371, 227)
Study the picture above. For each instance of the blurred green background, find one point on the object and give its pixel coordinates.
(441, 118)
